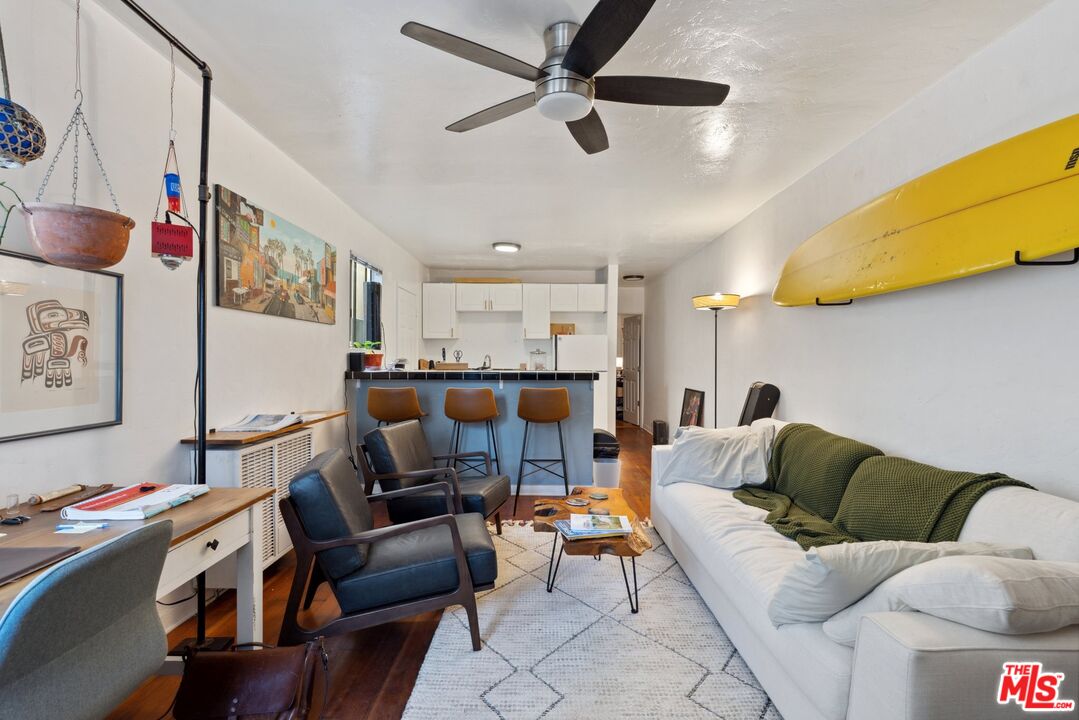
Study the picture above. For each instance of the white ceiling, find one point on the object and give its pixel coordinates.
(335, 84)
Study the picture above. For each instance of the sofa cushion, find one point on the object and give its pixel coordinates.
(723, 458)
(481, 495)
(832, 577)
(812, 467)
(418, 564)
(1047, 524)
(329, 499)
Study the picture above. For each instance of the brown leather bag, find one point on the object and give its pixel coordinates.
(276, 683)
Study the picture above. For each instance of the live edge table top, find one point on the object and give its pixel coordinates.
(548, 510)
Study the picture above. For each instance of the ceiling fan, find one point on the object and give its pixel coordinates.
(566, 84)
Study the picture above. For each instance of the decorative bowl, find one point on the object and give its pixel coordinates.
(79, 237)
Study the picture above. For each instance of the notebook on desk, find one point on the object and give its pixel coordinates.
(17, 562)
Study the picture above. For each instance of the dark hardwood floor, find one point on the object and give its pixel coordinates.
(372, 672)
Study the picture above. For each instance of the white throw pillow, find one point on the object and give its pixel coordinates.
(1001, 595)
(831, 577)
(723, 458)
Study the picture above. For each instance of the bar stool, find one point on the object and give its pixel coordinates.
(472, 405)
(542, 406)
(393, 405)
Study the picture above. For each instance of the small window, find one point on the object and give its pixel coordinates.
(366, 302)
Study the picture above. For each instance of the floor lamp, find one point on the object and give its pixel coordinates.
(716, 302)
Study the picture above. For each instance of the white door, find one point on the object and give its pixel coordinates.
(536, 312)
(439, 311)
(563, 298)
(631, 370)
(471, 297)
(504, 297)
(408, 337)
(591, 298)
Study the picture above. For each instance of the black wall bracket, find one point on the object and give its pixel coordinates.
(834, 304)
(1035, 263)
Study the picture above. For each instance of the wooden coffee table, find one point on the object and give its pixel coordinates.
(547, 510)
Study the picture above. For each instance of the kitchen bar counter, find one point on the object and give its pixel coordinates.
(431, 386)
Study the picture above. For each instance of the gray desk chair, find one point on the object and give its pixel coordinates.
(84, 634)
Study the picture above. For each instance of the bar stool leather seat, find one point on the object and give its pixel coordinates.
(393, 405)
(543, 406)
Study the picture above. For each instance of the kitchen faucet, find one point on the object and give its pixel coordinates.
(486, 362)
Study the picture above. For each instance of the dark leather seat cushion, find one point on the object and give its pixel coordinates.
(481, 495)
(417, 565)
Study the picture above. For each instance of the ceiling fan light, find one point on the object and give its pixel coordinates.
(506, 247)
(564, 106)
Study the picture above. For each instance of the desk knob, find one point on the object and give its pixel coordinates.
(213, 544)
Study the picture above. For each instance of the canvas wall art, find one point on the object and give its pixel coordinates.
(61, 348)
(267, 265)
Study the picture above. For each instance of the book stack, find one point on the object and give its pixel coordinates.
(591, 527)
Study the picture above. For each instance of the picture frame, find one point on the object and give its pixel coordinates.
(61, 348)
(692, 408)
(267, 265)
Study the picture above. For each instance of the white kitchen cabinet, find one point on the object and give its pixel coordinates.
(471, 297)
(494, 297)
(563, 297)
(536, 304)
(439, 311)
(592, 298)
(504, 297)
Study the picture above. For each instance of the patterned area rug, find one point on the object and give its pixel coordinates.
(579, 652)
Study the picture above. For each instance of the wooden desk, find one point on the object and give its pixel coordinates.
(228, 515)
(228, 439)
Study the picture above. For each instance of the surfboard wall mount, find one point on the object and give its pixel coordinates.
(1035, 263)
(834, 304)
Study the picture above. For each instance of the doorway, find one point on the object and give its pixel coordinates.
(631, 369)
(407, 326)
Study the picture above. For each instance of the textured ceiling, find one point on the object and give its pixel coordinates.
(364, 110)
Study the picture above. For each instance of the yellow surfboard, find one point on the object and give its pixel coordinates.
(968, 217)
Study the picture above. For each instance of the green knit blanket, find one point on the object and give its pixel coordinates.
(825, 489)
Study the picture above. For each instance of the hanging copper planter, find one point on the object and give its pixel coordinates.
(78, 237)
(74, 235)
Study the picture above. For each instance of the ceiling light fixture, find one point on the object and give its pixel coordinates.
(633, 278)
(506, 247)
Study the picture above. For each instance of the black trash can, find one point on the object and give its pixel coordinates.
(605, 464)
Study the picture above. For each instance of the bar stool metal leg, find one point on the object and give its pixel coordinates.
(494, 444)
(562, 451)
(521, 468)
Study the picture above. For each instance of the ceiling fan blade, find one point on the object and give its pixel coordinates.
(644, 90)
(493, 113)
(603, 33)
(471, 51)
(589, 133)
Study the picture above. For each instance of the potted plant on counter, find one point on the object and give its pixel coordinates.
(372, 353)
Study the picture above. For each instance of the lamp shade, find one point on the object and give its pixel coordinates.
(716, 301)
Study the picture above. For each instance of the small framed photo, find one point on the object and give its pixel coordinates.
(61, 348)
(692, 408)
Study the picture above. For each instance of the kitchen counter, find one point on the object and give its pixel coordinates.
(468, 375)
(431, 386)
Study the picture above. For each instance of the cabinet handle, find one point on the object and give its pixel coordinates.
(213, 544)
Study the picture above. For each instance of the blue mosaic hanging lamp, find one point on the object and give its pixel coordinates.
(22, 138)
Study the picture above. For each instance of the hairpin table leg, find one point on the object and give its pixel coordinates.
(634, 599)
(552, 567)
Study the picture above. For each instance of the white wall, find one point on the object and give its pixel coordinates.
(256, 363)
(631, 300)
(976, 374)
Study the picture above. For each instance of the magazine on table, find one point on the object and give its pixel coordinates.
(263, 423)
(136, 502)
(581, 526)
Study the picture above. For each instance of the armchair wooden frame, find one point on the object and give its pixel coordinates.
(370, 476)
(293, 633)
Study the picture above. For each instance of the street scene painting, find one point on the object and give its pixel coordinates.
(265, 264)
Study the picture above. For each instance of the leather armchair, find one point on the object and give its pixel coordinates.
(384, 574)
(398, 456)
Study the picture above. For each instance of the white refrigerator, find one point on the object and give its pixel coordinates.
(586, 353)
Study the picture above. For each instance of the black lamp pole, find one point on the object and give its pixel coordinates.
(200, 304)
(715, 368)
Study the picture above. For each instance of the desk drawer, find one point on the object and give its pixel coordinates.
(193, 556)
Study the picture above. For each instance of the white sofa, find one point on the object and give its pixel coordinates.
(904, 666)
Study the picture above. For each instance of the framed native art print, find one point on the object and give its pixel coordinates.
(267, 265)
(61, 348)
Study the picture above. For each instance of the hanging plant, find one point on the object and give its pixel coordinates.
(22, 138)
(74, 235)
